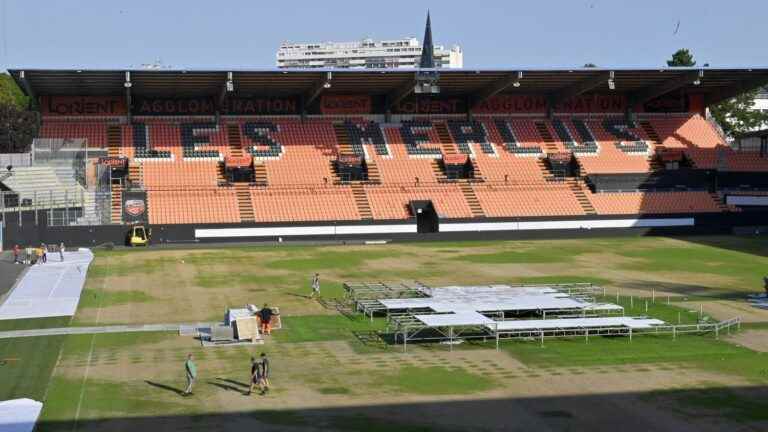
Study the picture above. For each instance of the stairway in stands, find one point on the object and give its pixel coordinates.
(136, 174)
(721, 203)
(117, 204)
(546, 137)
(650, 132)
(446, 142)
(471, 198)
(577, 187)
(477, 175)
(374, 176)
(114, 140)
(361, 201)
(244, 202)
(260, 173)
(344, 149)
(235, 145)
(220, 175)
(358, 191)
(438, 170)
(342, 137)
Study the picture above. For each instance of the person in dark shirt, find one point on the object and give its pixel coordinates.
(256, 375)
(43, 253)
(264, 382)
(265, 316)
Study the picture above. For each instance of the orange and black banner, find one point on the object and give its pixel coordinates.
(82, 105)
(346, 104)
(207, 106)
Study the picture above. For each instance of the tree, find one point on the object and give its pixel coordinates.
(681, 58)
(11, 94)
(589, 65)
(737, 115)
(17, 129)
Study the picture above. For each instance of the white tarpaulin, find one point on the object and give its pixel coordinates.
(51, 289)
(19, 415)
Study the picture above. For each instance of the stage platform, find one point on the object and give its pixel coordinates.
(49, 290)
(19, 415)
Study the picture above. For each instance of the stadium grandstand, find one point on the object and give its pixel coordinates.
(260, 154)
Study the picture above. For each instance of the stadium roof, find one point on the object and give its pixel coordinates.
(641, 84)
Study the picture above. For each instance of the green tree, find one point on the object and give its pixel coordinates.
(589, 65)
(736, 115)
(11, 94)
(681, 58)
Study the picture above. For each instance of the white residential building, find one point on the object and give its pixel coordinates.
(367, 53)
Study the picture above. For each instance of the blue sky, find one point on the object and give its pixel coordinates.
(245, 34)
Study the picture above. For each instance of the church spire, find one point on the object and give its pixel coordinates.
(427, 49)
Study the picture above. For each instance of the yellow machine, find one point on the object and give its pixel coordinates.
(139, 236)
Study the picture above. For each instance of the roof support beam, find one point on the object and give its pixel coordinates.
(511, 80)
(672, 84)
(316, 90)
(28, 89)
(128, 98)
(396, 96)
(581, 87)
(227, 87)
(737, 89)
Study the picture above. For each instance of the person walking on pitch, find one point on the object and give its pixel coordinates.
(264, 382)
(316, 285)
(190, 368)
(255, 375)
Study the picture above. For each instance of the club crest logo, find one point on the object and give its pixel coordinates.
(135, 207)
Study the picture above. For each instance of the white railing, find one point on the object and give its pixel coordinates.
(15, 159)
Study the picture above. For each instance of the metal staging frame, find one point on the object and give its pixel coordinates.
(411, 329)
(421, 323)
(369, 298)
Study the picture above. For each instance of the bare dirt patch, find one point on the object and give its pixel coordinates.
(726, 309)
(753, 339)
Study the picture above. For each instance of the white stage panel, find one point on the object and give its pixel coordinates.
(549, 324)
(19, 415)
(49, 290)
(463, 318)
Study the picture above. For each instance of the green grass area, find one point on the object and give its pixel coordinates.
(324, 328)
(101, 399)
(33, 323)
(695, 351)
(81, 344)
(436, 380)
(656, 308)
(744, 267)
(100, 298)
(326, 259)
(563, 279)
(715, 402)
(26, 365)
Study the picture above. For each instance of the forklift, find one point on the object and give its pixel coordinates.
(139, 235)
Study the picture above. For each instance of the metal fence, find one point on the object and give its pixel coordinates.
(15, 159)
(61, 208)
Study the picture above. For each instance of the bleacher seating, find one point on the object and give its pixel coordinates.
(194, 205)
(181, 168)
(653, 203)
(94, 131)
(304, 204)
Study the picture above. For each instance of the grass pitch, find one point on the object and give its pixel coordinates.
(326, 376)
